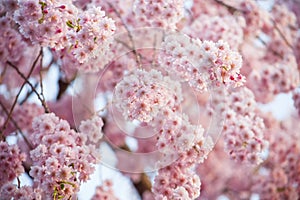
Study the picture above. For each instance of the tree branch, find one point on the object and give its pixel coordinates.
(16, 98)
(138, 60)
(41, 98)
(29, 93)
(17, 126)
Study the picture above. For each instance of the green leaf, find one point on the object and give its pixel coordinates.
(70, 24)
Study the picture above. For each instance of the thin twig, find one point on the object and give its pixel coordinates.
(282, 35)
(50, 63)
(230, 8)
(41, 78)
(138, 60)
(130, 48)
(19, 182)
(64, 85)
(29, 93)
(3, 73)
(273, 51)
(42, 89)
(42, 100)
(19, 93)
(16, 125)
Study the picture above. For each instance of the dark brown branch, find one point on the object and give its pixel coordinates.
(16, 126)
(230, 8)
(3, 73)
(42, 87)
(19, 93)
(19, 182)
(63, 86)
(143, 185)
(42, 100)
(273, 51)
(130, 48)
(138, 60)
(282, 35)
(29, 93)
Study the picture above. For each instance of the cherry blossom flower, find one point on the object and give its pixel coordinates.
(61, 159)
(10, 190)
(91, 34)
(92, 128)
(11, 162)
(104, 191)
(142, 95)
(215, 28)
(202, 64)
(164, 14)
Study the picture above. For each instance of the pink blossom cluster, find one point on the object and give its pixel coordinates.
(158, 13)
(275, 78)
(105, 191)
(9, 191)
(202, 64)
(296, 98)
(244, 142)
(12, 42)
(70, 66)
(115, 71)
(45, 22)
(172, 112)
(225, 175)
(242, 129)
(280, 178)
(244, 136)
(61, 159)
(115, 9)
(215, 28)
(14, 48)
(275, 186)
(91, 34)
(211, 8)
(8, 7)
(178, 180)
(24, 115)
(285, 22)
(85, 35)
(184, 144)
(293, 6)
(177, 134)
(255, 17)
(141, 95)
(11, 159)
(92, 128)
